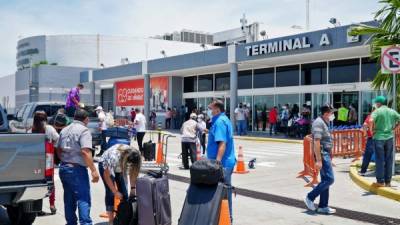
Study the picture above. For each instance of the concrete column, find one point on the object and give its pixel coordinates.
(233, 91)
(147, 95)
(92, 87)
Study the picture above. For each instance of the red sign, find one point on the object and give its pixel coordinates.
(130, 93)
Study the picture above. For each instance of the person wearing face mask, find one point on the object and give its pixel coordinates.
(74, 150)
(240, 116)
(221, 145)
(322, 148)
(202, 127)
(189, 132)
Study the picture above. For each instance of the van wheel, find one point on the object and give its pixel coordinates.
(17, 216)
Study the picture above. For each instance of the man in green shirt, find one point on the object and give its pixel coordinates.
(343, 114)
(382, 122)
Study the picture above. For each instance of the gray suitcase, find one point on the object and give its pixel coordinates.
(154, 204)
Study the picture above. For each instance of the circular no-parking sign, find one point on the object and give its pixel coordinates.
(390, 59)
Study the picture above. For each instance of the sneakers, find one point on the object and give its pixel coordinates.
(310, 204)
(361, 174)
(326, 210)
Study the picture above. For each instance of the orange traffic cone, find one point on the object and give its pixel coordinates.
(241, 168)
(224, 216)
(198, 151)
(160, 156)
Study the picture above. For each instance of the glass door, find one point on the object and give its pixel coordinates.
(262, 106)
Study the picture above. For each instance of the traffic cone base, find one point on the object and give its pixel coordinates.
(224, 216)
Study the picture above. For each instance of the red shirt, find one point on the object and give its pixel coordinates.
(273, 116)
(133, 115)
(369, 133)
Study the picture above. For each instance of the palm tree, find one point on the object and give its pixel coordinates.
(386, 33)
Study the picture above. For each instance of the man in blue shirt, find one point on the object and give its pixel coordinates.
(220, 143)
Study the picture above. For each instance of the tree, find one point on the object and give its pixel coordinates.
(386, 33)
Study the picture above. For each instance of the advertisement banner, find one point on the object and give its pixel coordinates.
(131, 93)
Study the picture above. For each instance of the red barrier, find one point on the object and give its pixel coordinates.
(348, 143)
(121, 122)
(309, 162)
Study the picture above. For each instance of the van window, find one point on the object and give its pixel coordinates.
(27, 113)
(21, 112)
(54, 109)
(45, 108)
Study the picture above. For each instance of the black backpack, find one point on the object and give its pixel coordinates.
(206, 172)
(127, 213)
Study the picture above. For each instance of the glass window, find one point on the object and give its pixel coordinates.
(314, 73)
(264, 78)
(190, 84)
(45, 108)
(262, 106)
(289, 99)
(367, 102)
(320, 99)
(344, 71)
(21, 112)
(222, 82)
(369, 69)
(206, 82)
(287, 76)
(54, 109)
(191, 104)
(244, 79)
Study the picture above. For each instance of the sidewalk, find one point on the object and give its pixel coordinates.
(366, 182)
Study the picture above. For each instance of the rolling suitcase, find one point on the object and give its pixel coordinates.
(202, 205)
(127, 213)
(154, 204)
(149, 150)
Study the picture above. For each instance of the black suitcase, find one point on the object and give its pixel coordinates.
(149, 151)
(154, 204)
(127, 213)
(202, 205)
(207, 171)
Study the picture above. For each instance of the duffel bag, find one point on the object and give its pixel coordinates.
(207, 172)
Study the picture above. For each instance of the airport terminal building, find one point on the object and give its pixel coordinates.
(318, 67)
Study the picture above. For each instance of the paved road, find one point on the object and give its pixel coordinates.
(276, 168)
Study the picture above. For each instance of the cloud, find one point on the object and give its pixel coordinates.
(147, 18)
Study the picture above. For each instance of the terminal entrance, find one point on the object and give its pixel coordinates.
(345, 98)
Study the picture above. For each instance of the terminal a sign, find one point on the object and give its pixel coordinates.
(285, 45)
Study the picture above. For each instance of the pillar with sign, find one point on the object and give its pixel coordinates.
(390, 64)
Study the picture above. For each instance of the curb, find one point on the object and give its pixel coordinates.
(367, 185)
(263, 139)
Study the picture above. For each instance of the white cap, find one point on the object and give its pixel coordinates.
(99, 108)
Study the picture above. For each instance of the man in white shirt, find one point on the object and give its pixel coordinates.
(102, 127)
(140, 126)
(240, 120)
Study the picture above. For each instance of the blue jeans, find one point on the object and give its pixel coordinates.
(327, 179)
(75, 181)
(384, 160)
(369, 151)
(121, 185)
(241, 127)
(228, 181)
(272, 128)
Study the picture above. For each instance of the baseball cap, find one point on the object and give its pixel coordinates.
(99, 108)
(380, 99)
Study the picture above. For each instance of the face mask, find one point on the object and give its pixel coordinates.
(332, 117)
(209, 114)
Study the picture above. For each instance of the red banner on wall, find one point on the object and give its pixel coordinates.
(131, 93)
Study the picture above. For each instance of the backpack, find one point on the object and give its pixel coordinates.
(109, 120)
(127, 213)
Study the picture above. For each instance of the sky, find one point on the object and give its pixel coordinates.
(144, 18)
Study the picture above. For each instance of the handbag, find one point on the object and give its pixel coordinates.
(206, 172)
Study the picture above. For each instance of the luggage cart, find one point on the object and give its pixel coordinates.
(148, 166)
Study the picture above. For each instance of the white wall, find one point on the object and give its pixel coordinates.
(81, 50)
(7, 92)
